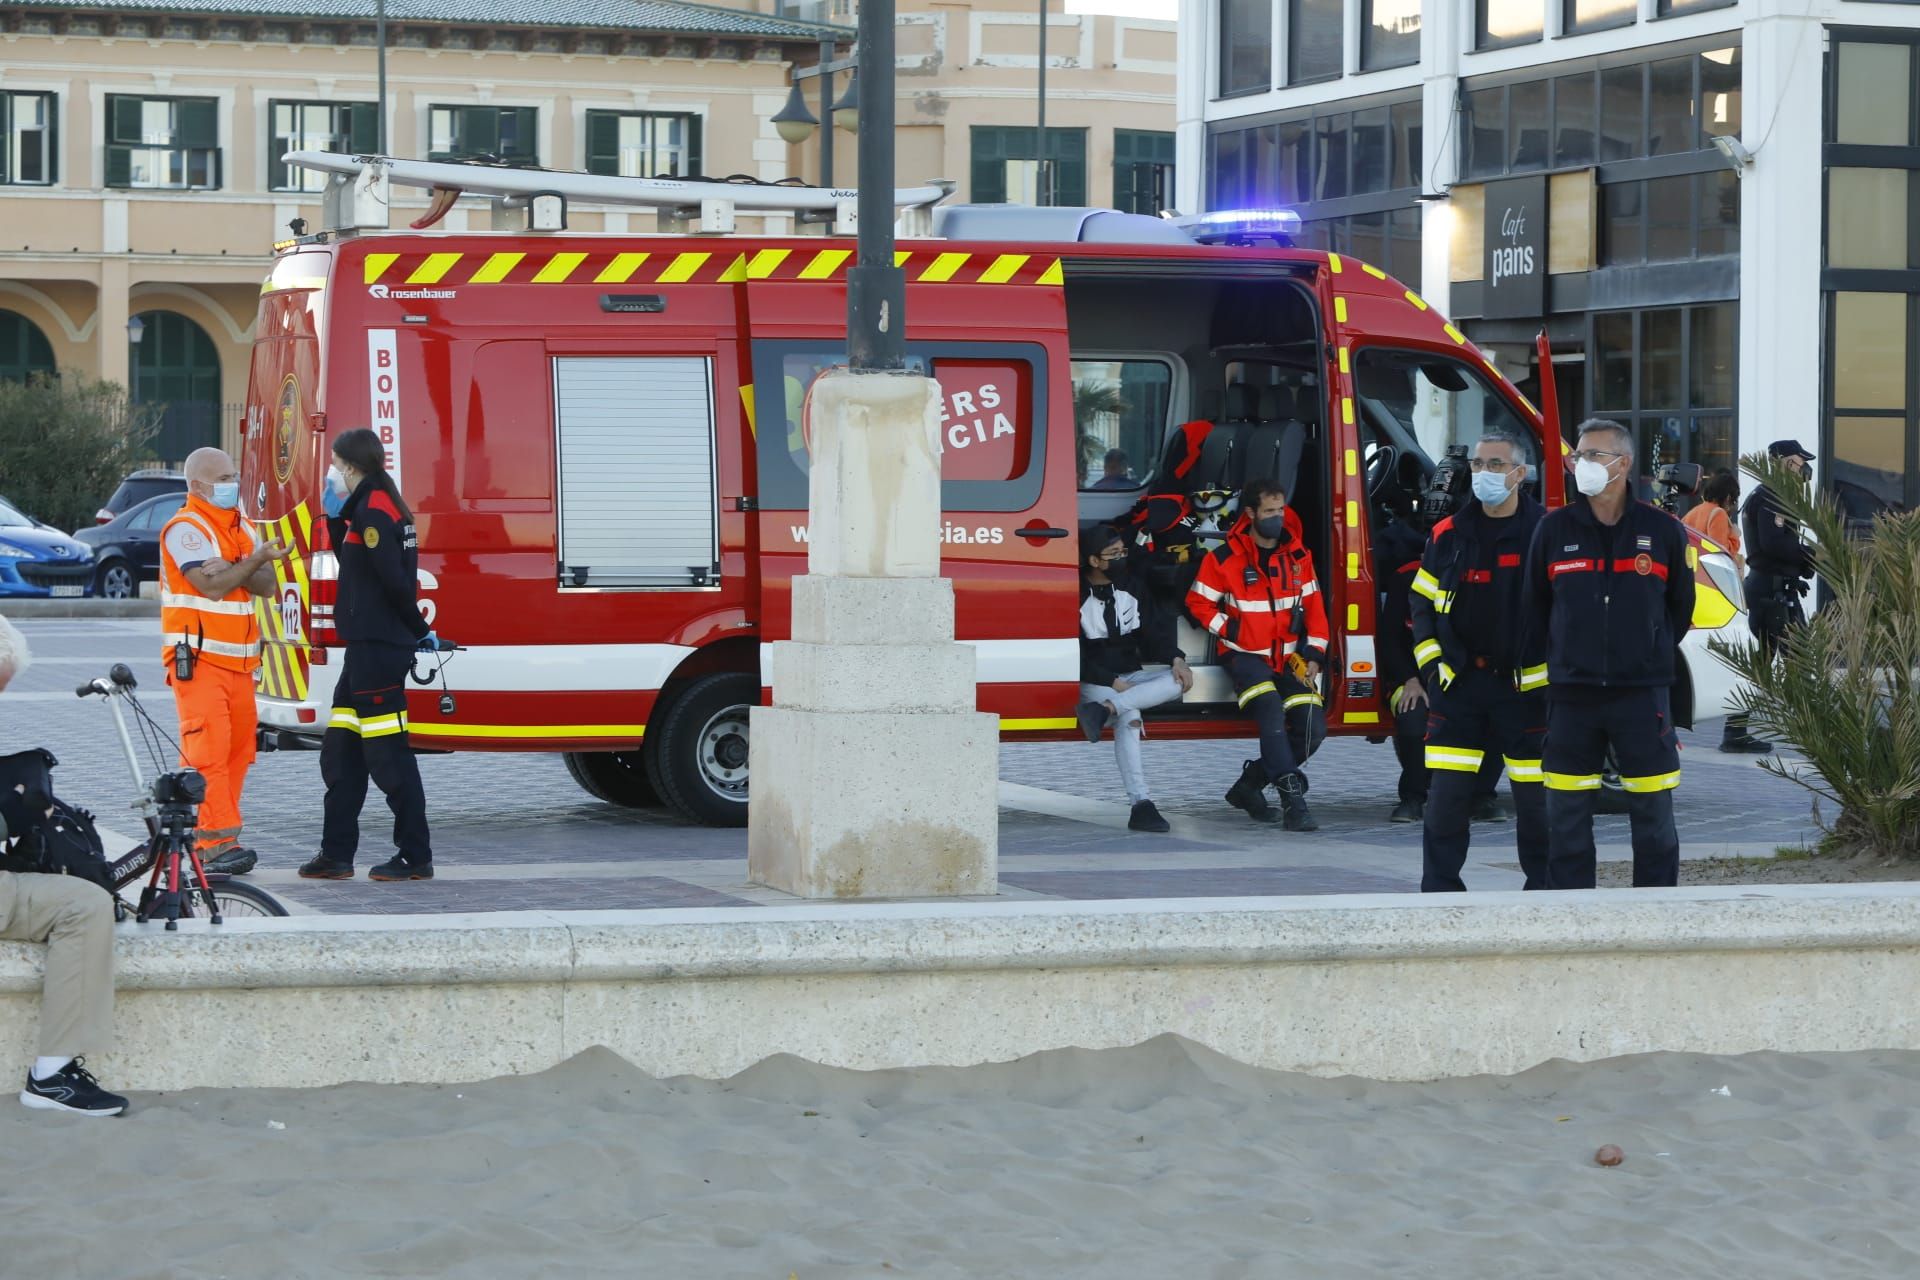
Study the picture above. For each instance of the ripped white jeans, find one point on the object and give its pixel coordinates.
(1143, 691)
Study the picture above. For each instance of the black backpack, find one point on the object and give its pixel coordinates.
(64, 843)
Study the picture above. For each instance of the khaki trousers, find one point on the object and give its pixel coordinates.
(75, 920)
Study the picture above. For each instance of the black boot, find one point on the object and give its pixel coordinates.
(1249, 793)
(1293, 803)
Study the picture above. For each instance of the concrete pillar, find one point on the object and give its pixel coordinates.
(873, 775)
(110, 345)
(1781, 322)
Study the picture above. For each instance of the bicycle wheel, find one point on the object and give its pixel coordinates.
(236, 900)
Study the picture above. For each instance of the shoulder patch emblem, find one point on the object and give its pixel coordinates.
(372, 536)
(1573, 547)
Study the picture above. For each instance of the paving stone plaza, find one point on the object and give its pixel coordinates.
(513, 832)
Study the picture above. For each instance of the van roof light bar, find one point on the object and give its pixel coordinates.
(358, 195)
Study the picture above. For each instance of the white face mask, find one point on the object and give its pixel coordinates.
(1491, 489)
(337, 481)
(1590, 477)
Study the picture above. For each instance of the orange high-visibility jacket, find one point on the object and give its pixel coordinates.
(224, 632)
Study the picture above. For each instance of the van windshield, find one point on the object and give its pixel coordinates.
(1422, 403)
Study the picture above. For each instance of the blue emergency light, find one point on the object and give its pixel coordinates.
(1244, 226)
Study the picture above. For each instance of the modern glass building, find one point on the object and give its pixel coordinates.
(1713, 209)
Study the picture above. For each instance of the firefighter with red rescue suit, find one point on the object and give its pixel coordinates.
(1610, 587)
(1258, 595)
(380, 622)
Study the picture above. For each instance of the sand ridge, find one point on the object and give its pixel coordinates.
(1161, 1160)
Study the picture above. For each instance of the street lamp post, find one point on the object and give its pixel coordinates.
(380, 56)
(796, 124)
(876, 288)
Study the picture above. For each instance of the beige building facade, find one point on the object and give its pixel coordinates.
(141, 188)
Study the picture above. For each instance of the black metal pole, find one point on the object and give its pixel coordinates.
(826, 118)
(1044, 188)
(380, 42)
(876, 289)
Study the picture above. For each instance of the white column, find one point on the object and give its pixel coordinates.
(1781, 325)
(1440, 36)
(873, 774)
(1194, 41)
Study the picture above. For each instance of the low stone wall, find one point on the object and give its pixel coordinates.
(1387, 986)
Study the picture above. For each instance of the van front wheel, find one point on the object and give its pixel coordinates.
(618, 777)
(700, 749)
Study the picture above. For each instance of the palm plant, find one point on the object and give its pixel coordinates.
(1845, 690)
(1092, 400)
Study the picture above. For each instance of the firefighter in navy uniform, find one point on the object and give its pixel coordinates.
(1610, 586)
(1485, 681)
(1778, 567)
(379, 620)
(1258, 594)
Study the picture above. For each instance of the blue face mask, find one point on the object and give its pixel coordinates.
(226, 496)
(1490, 488)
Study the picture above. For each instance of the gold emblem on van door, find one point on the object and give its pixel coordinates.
(283, 430)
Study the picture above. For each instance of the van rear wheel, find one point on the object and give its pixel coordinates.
(617, 777)
(700, 749)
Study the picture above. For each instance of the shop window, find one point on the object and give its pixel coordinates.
(316, 126)
(1623, 109)
(27, 144)
(1867, 218)
(1406, 144)
(1719, 229)
(1142, 171)
(1710, 375)
(1500, 23)
(1623, 224)
(1296, 162)
(1573, 121)
(1599, 15)
(165, 143)
(643, 144)
(1389, 34)
(1867, 462)
(1486, 132)
(1246, 47)
(1372, 150)
(1314, 39)
(1670, 219)
(1668, 375)
(1528, 126)
(1720, 94)
(1870, 350)
(1332, 144)
(507, 134)
(1613, 361)
(1873, 90)
(1671, 101)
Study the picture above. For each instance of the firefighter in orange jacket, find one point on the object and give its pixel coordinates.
(1258, 595)
(210, 571)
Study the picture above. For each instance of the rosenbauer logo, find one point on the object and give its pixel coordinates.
(382, 291)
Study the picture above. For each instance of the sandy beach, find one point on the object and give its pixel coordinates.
(1163, 1160)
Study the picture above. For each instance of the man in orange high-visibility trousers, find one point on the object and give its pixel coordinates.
(210, 571)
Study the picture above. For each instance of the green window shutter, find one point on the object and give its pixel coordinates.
(123, 119)
(989, 171)
(526, 134)
(196, 122)
(119, 167)
(696, 152)
(603, 142)
(1067, 148)
(361, 127)
(6, 130)
(54, 139)
(476, 131)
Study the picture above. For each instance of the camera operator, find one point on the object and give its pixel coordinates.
(75, 919)
(1779, 566)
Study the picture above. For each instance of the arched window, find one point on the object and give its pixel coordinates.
(24, 350)
(176, 364)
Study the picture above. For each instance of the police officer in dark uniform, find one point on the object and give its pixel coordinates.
(379, 620)
(1779, 565)
(1485, 680)
(1609, 586)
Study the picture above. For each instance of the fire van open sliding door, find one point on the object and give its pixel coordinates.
(635, 450)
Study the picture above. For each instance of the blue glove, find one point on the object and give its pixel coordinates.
(429, 643)
(333, 503)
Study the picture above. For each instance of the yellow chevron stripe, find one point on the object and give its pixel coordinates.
(1052, 274)
(496, 267)
(436, 266)
(621, 269)
(900, 257)
(736, 270)
(1004, 268)
(376, 265)
(681, 269)
(558, 268)
(764, 263)
(824, 264)
(943, 268)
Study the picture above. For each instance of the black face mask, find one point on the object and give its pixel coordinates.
(1273, 527)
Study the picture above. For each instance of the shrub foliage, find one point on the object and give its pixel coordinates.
(66, 442)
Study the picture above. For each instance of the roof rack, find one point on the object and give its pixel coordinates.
(358, 195)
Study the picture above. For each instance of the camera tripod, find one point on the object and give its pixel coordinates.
(177, 884)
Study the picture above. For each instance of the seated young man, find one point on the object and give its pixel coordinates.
(1121, 631)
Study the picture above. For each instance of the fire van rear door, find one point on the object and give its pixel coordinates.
(990, 328)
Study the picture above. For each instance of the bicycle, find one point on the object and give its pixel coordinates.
(170, 810)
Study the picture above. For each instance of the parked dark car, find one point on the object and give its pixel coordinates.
(126, 550)
(38, 560)
(137, 488)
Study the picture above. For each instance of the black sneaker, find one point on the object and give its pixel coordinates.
(234, 860)
(401, 869)
(321, 867)
(1408, 811)
(1488, 809)
(1093, 718)
(72, 1089)
(1147, 818)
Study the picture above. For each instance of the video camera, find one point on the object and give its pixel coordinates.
(1676, 480)
(1448, 486)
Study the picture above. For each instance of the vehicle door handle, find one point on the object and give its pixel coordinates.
(1041, 533)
